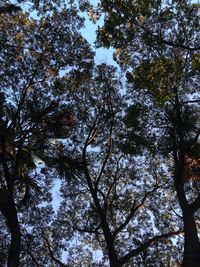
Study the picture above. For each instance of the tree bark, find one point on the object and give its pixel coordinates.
(191, 256)
(14, 249)
(10, 214)
(109, 239)
(114, 262)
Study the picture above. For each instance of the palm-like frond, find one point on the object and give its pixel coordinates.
(66, 166)
(27, 187)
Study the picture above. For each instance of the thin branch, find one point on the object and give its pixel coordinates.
(86, 171)
(110, 106)
(115, 178)
(194, 140)
(5, 163)
(132, 212)
(104, 224)
(179, 216)
(167, 42)
(51, 253)
(106, 157)
(87, 230)
(23, 97)
(178, 45)
(124, 224)
(146, 245)
(191, 101)
(33, 258)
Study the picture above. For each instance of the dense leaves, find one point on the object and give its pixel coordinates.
(99, 167)
(33, 53)
(159, 42)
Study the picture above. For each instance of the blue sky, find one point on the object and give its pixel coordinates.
(103, 55)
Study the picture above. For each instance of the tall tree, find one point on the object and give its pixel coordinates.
(160, 41)
(33, 53)
(119, 165)
(112, 207)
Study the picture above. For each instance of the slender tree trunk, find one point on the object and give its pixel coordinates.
(191, 257)
(14, 249)
(114, 261)
(192, 245)
(10, 214)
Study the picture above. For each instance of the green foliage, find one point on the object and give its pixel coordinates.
(159, 76)
(89, 154)
(33, 116)
(157, 42)
(196, 61)
(136, 139)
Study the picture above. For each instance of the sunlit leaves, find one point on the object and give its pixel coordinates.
(159, 76)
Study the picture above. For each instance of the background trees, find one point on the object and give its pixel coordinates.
(160, 42)
(33, 53)
(109, 207)
(97, 166)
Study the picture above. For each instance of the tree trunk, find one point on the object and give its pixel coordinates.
(10, 214)
(191, 256)
(14, 249)
(114, 262)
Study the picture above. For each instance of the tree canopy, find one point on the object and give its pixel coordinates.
(99, 164)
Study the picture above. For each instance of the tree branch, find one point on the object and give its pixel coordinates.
(147, 244)
(23, 97)
(51, 253)
(167, 42)
(5, 163)
(110, 106)
(196, 204)
(133, 210)
(191, 101)
(194, 140)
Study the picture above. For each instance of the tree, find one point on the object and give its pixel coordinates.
(160, 42)
(113, 203)
(110, 208)
(116, 156)
(33, 53)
